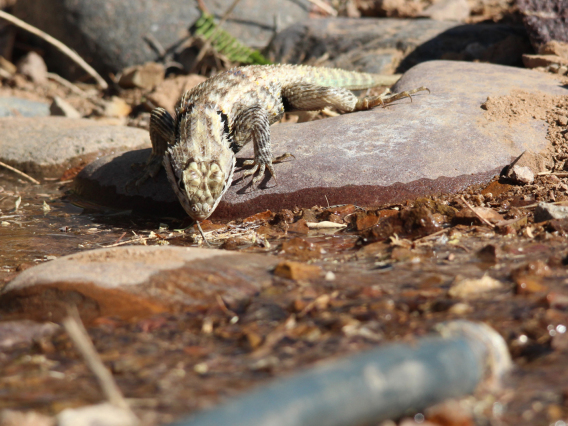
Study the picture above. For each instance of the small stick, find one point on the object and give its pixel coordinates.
(5, 74)
(155, 44)
(324, 6)
(435, 234)
(66, 83)
(205, 48)
(477, 214)
(202, 6)
(135, 240)
(559, 174)
(530, 206)
(76, 331)
(119, 238)
(202, 234)
(31, 179)
(63, 48)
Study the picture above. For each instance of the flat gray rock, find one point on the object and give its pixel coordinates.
(47, 146)
(14, 333)
(549, 211)
(113, 34)
(382, 45)
(14, 107)
(134, 281)
(438, 143)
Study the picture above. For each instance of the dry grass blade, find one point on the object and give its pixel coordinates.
(481, 218)
(325, 225)
(557, 174)
(207, 46)
(22, 174)
(76, 331)
(66, 83)
(324, 6)
(5, 74)
(63, 48)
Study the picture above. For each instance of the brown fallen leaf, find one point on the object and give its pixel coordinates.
(297, 270)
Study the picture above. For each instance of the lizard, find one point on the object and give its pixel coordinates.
(215, 119)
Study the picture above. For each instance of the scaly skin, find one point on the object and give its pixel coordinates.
(215, 119)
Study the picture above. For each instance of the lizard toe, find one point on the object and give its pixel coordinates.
(260, 174)
(252, 170)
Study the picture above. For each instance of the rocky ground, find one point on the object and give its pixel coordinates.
(451, 206)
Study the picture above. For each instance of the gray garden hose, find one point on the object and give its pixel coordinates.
(383, 383)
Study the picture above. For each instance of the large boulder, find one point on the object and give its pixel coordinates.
(386, 45)
(114, 34)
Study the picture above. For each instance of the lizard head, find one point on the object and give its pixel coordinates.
(200, 164)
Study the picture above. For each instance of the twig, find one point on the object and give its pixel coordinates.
(66, 83)
(135, 240)
(120, 238)
(326, 224)
(202, 6)
(31, 179)
(481, 218)
(63, 48)
(559, 174)
(155, 44)
(205, 48)
(530, 206)
(5, 74)
(224, 308)
(202, 234)
(76, 331)
(324, 6)
(435, 234)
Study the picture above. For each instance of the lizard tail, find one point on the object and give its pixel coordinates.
(350, 79)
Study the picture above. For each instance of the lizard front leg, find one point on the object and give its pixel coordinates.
(253, 125)
(162, 133)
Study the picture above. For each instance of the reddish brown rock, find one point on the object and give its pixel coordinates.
(134, 281)
(167, 93)
(297, 271)
(438, 143)
(145, 76)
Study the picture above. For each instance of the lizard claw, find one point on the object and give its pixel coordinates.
(258, 169)
(281, 158)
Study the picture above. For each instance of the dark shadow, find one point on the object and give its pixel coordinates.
(107, 186)
(493, 43)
